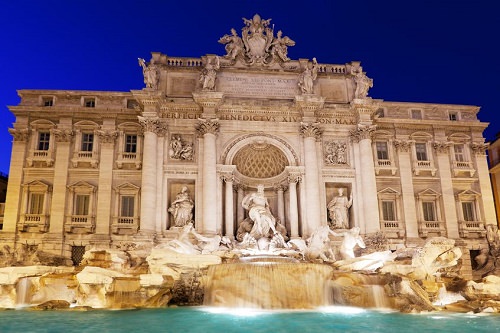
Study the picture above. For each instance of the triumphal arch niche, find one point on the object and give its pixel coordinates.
(218, 140)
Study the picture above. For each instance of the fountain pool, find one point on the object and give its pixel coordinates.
(208, 320)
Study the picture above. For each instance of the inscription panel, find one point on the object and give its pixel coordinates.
(257, 86)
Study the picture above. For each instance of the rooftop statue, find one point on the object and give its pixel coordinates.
(257, 44)
(308, 76)
(363, 84)
(209, 74)
(150, 73)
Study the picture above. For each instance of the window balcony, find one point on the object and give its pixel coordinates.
(393, 229)
(129, 158)
(33, 223)
(80, 224)
(124, 225)
(424, 166)
(431, 229)
(459, 168)
(471, 229)
(40, 157)
(385, 166)
(85, 158)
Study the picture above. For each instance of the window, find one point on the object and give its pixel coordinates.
(47, 101)
(429, 210)
(127, 206)
(130, 143)
(416, 114)
(43, 140)
(81, 204)
(87, 141)
(468, 211)
(89, 102)
(459, 153)
(421, 150)
(388, 212)
(380, 113)
(382, 150)
(453, 116)
(132, 104)
(36, 203)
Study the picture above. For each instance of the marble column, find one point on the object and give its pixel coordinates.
(293, 179)
(229, 203)
(149, 177)
(280, 189)
(209, 128)
(403, 150)
(107, 140)
(369, 186)
(311, 133)
(483, 175)
(240, 211)
(58, 209)
(449, 204)
(13, 198)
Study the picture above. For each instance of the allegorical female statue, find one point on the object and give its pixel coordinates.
(182, 208)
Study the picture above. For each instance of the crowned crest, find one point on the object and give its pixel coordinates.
(257, 45)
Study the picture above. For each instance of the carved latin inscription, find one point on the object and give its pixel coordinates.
(255, 86)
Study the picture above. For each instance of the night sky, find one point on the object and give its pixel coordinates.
(432, 51)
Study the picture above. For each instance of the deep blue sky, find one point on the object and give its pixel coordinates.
(434, 51)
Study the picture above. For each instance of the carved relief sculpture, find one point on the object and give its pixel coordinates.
(150, 73)
(180, 150)
(338, 210)
(182, 208)
(335, 152)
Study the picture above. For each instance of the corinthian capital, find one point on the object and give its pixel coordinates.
(63, 135)
(19, 134)
(107, 136)
(479, 148)
(149, 124)
(403, 145)
(310, 130)
(208, 126)
(362, 132)
(442, 147)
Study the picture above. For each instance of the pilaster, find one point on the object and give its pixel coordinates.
(483, 174)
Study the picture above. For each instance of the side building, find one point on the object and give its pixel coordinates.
(108, 169)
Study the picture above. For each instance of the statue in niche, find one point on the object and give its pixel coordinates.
(335, 152)
(182, 208)
(150, 73)
(308, 76)
(209, 74)
(363, 84)
(264, 223)
(338, 210)
(279, 46)
(234, 45)
(180, 150)
(351, 239)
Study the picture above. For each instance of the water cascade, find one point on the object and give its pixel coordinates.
(23, 292)
(267, 283)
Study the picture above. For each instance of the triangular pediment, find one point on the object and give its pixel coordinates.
(388, 190)
(428, 192)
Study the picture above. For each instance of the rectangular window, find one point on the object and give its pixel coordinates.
(82, 204)
(382, 151)
(453, 116)
(416, 114)
(47, 101)
(132, 104)
(89, 102)
(43, 140)
(459, 153)
(87, 141)
(130, 143)
(421, 150)
(36, 203)
(388, 212)
(468, 211)
(127, 206)
(429, 209)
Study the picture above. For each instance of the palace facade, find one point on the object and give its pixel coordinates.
(102, 168)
